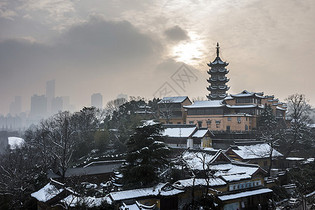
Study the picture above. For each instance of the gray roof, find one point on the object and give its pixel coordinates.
(176, 99)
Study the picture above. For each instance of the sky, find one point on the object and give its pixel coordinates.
(154, 48)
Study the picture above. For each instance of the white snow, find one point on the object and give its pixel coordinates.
(256, 151)
(15, 142)
(47, 192)
(148, 122)
(241, 106)
(198, 182)
(200, 133)
(205, 104)
(178, 132)
(143, 192)
(177, 99)
(244, 194)
(294, 158)
(228, 171)
(90, 201)
(232, 172)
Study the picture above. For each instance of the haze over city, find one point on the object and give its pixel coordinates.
(134, 47)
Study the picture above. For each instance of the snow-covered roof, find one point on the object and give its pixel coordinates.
(241, 106)
(255, 151)
(148, 122)
(200, 133)
(145, 192)
(176, 99)
(195, 159)
(91, 170)
(136, 206)
(15, 142)
(198, 182)
(90, 201)
(48, 192)
(295, 158)
(229, 171)
(246, 93)
(280, 108)
(244, 194)
(205, 104)
(178, 132)
(234, 172)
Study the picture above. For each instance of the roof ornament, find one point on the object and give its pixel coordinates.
(218, 48)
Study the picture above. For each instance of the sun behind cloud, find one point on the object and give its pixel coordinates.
(189, 52)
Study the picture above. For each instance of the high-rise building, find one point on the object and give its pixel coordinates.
(97, 100)
(217, 78)
(57, 105)
(38, 106)
(50, 94)
(16, 106)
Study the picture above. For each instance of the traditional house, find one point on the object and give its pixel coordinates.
(238, 112)
(171, 111)
(187, 136)
(254, 154)
(95, 172)
(161, 196)
(56, 195)
(234, 184)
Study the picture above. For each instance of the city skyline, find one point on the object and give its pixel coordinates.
(116, 47)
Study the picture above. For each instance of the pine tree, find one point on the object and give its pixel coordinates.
(269, 130)
(146, 156)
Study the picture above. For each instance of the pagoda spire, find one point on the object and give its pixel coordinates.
(217, 81)
(218, 49)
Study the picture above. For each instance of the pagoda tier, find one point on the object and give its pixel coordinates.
(217, 78)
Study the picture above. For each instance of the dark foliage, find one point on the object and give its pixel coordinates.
(146, 156)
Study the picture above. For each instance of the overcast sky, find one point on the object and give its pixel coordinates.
(138, 47)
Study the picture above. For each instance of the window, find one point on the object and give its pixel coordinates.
(228, 128)
(178, 123)
(229, 118)
(239, 119)
(246, 127)
(208, 122)
(191, 122)
(199, 124)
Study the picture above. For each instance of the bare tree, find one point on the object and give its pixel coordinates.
(166, 110)
(299, 115)
(114, 105)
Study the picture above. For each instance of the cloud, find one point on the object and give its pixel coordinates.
(114, 53)
(176, 33)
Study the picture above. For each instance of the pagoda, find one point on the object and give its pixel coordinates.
(217, 78)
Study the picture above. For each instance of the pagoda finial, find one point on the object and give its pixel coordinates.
(218, 49)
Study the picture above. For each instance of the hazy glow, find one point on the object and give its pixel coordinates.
(190, 51)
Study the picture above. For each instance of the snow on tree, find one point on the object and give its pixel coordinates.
(269, 130)
(146, 156)
(298, 134)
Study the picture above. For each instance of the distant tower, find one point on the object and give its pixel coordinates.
(97, 100)
(217, 78)
(38, 106)
(16, 106)
(50, 94)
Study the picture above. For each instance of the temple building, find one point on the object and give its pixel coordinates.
(222, 111)
(236, 112)
(217, 78)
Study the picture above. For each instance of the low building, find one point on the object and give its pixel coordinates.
(161, 196)
(187, 136)
(171, 111)
(254, 154)
(236, 112)
(235, 185)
